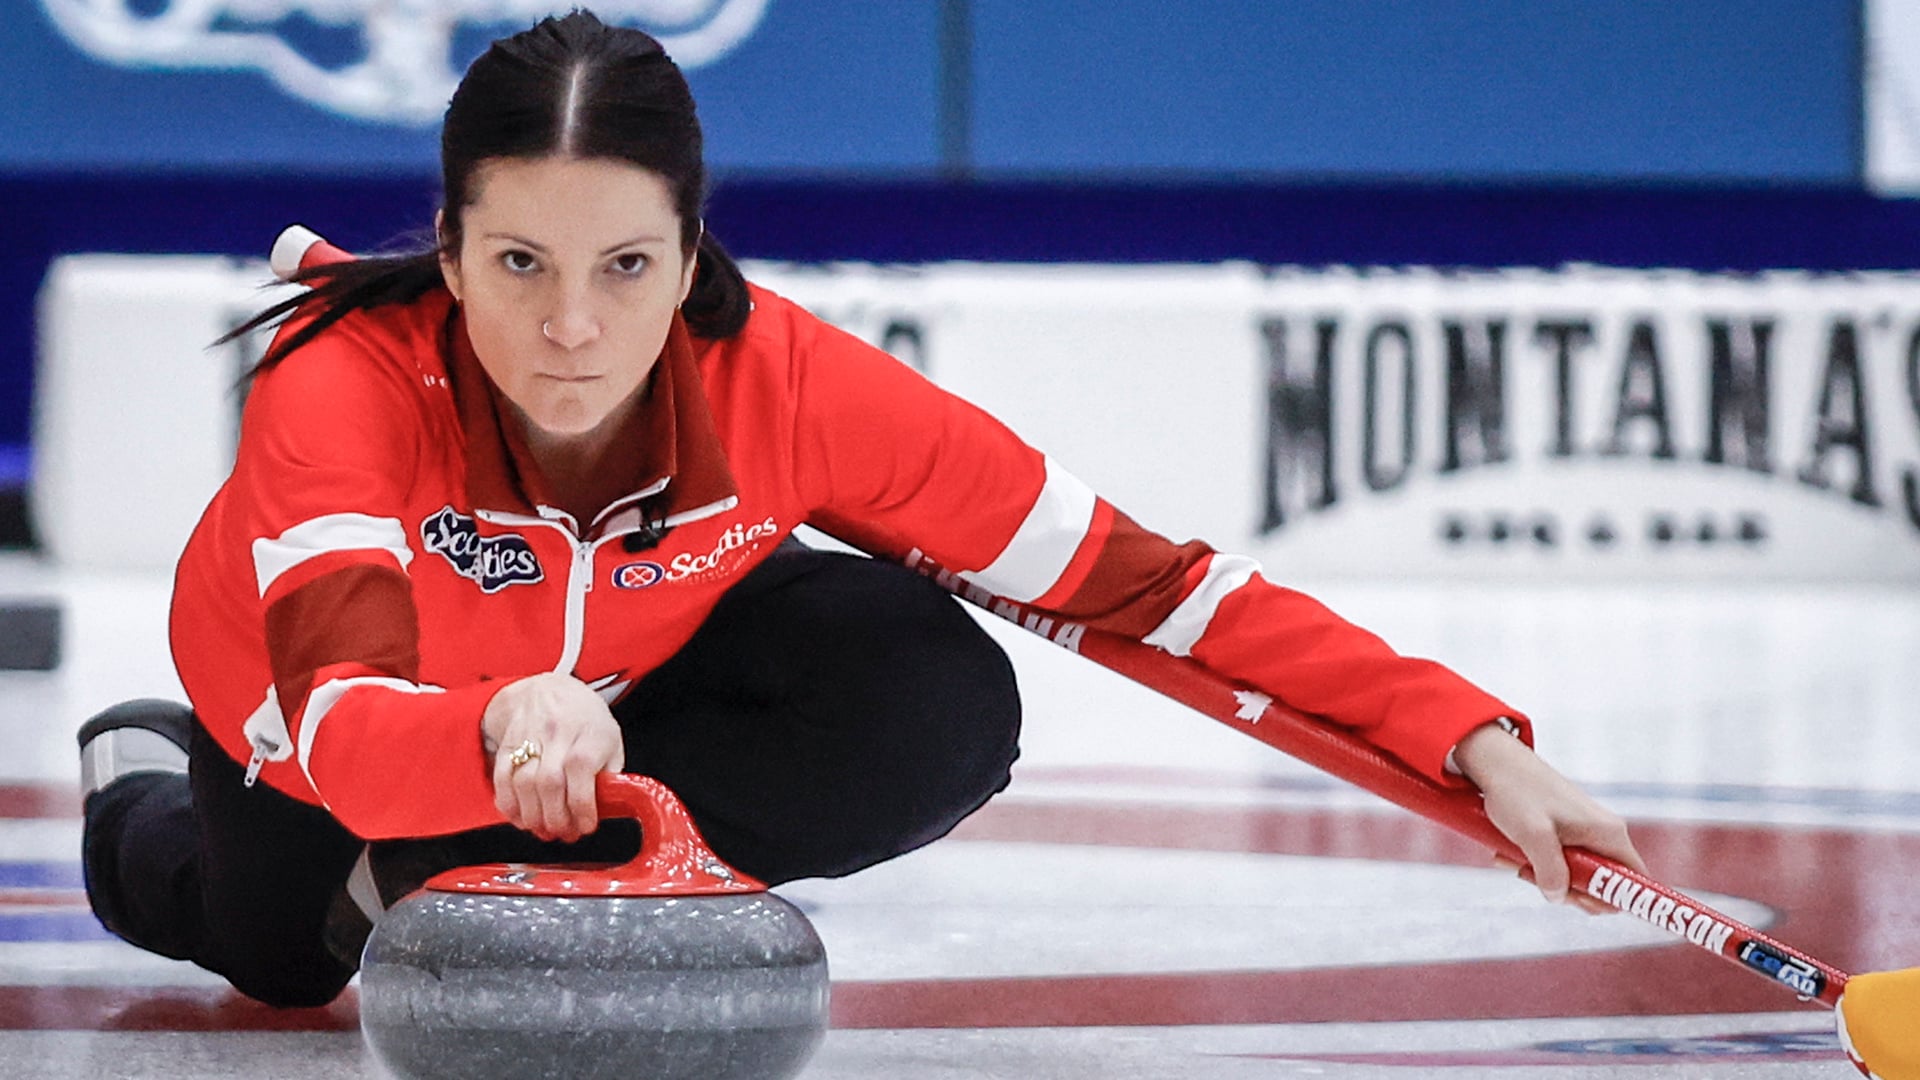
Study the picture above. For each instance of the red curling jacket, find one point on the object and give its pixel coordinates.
(380, 562)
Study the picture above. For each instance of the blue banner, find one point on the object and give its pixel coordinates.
(1472, 90)
(358, 86)
(1464, 91)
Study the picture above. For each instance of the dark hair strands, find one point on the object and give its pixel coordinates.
(570, 85)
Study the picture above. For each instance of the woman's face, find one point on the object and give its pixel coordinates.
(569, 271)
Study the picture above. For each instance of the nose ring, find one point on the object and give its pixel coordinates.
(546, 330)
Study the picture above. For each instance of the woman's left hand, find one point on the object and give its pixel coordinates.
(1542, 812)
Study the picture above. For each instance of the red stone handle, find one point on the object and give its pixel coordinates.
(674, 859)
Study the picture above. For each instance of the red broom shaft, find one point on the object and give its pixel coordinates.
(1341, 753)
(1680, 914)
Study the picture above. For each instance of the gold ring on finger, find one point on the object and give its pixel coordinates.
(525, 752)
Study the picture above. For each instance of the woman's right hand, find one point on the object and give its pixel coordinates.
(1543, 813)
(572, 738)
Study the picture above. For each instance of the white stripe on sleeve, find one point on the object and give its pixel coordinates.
(1046, 541)
(289, 249)
(322, 535)
(324, 697)
(1186, 624)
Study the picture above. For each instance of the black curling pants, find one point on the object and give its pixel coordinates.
(833, 712)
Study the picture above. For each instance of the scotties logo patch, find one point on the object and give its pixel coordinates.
(638, 575)
(492, 562)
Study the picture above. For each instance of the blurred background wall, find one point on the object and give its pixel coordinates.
(1707, 134)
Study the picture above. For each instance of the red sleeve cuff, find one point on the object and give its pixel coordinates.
(395, 765)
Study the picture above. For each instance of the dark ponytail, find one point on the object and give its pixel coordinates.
(337, 290)
(717, 307)
(570, 86)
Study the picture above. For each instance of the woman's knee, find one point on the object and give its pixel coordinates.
(878, 613)
(837, 634)
(926, 717)
(844, 715)
(925, 684)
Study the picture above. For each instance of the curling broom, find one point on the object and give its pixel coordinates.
(1878, 1014)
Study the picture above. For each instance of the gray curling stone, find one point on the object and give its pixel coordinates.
(674, 965)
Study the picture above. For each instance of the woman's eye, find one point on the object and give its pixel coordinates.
(517, 261)
(630, 264)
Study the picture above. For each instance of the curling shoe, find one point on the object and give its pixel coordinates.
(145, 735)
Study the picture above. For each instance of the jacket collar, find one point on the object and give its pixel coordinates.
(673, 461)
